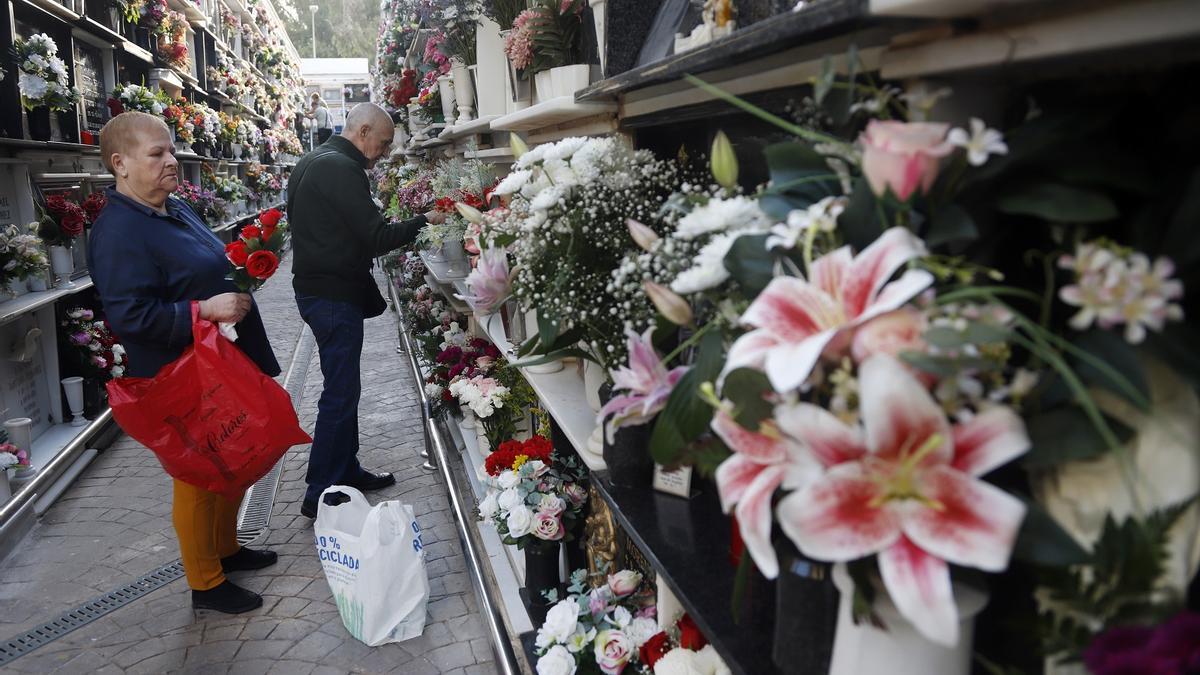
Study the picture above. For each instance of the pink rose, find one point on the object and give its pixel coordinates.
(575, 493)
(903, 156)
(613, 651)
(892, 334)
(624, 583)
(547, 526)
(552, 504)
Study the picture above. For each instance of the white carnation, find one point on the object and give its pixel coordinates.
(565, 148)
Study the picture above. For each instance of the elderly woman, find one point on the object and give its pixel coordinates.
(150, 257)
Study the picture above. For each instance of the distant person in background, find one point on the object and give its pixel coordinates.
(323, 119)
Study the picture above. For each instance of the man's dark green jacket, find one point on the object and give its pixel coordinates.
(336, 228)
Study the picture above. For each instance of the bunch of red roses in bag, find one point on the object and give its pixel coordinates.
(64, 219)
(255, 254)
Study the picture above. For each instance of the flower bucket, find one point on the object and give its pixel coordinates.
(806, 610)
(63, 264)
(628, 455)
(543, 86)
(566, 80)
(899, 650)
(39, 282)
(16, 287)
(39, 123)
(237, 150)
(541, 575)
(453, 251)
(68, 126)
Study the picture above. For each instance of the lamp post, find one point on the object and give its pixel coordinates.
(312, 11)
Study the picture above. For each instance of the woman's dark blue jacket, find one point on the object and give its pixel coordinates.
(147, 269)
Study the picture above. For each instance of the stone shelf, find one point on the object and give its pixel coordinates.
(14, 308)
(482, 125)
(559, 110)
(446, 273)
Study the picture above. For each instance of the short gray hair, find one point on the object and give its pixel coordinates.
(366, 114)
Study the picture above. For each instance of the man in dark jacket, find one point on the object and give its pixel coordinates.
(337, 231)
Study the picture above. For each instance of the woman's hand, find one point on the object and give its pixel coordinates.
(225, 308)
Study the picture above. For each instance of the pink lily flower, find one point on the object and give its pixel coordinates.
(912, 496)
(794, 319)
(647, 382)
(488, 283)
(762, 461)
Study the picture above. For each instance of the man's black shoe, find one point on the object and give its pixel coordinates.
(368, 481)
(228, 598)
(248, 559)
(308, 510)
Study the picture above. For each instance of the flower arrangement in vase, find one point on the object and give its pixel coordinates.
(534, 496)
(98, 348)
(43, 82)
(137, 97)
(22, 258)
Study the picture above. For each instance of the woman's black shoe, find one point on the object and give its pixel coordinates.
(248, 559)
(227, 598)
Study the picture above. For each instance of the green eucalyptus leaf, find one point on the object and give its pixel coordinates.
(1068, 435)
(750, 263)
(1058, 203)
(686, 415)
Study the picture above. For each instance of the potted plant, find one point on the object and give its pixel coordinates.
(62, 221)
(44, 83)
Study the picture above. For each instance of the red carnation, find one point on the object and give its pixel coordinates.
(445, 205)
(538, 447)
(654, 649)
(262, 264)
(270, 217)
(690, 636)
(251, 232)
(237, 253)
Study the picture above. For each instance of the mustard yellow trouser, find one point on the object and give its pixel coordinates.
(206, 524)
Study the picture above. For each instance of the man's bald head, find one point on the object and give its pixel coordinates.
(370, 128)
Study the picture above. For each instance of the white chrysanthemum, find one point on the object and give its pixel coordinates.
(32, 87)
(533, 156)
(533, 187)
(560, 172)
(565, 148)
(59, 68)
(548, 198)
(723, 215)
(708, 269)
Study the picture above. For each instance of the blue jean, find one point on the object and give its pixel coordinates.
(338, 329)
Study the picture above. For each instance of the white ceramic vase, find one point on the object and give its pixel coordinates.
(468, 419)
(39, 283)
(543, 86)
(900, 649)
(73, 386)
(63, 264)
(464, 90)
(566, 80)
(446, 91)
(20, 432)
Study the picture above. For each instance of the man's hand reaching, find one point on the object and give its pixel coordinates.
(435, 217)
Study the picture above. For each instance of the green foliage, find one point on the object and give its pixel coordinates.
(687, 415)
(1115, 586)
(556, 37)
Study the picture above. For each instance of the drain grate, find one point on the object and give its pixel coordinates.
(88, 612)
(253, 519)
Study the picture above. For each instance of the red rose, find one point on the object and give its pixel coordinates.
(445, 205)
(654, 649)
(94, 204)
(251, 232)
(72, 222)
(270, 217)
(267, 233)
(690, 636)
(262, 264)
(237, 253)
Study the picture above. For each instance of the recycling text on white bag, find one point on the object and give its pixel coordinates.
(375, 565)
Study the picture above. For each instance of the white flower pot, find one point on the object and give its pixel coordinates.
(593, 379)
(464, 91)
(73, 386)
(20, 432)
(63, 264)
(237, 150)
(21, 477)
(16, 287)
(543, 86)
(468, 419)
(566, 80)
(453, 251)
(899, 650)
(531, 328)
(39, 283)
(446, 91)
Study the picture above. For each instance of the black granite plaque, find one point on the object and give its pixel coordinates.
(628, 22)
(89, 77)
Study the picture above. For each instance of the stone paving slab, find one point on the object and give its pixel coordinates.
(114, 524)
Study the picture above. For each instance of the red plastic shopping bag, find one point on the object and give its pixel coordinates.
(212, 418)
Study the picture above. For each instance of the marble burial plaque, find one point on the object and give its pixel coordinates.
(23, 386)
(89, 77)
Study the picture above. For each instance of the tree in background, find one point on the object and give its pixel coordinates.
(345, 28)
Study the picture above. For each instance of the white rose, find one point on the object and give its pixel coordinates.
(552, 504)
(520, 519)
(557, 661)
(509, 479)
(510, 499)
(680, 661)
(621, 618)
(712, 661)
(624, 582)
(641, 630)
(489, 506)
(560, 624)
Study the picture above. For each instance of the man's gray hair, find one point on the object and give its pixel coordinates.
(368, 114)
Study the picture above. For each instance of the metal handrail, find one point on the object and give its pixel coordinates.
(51, 472)
(506, 658)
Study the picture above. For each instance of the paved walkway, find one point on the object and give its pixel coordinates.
(113, 525)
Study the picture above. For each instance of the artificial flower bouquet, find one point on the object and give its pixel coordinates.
(604, 629)
(62, 221)
(254, 255)
(535, 498)
(22, 254)
(94, 339)
(136, 97)
(12, 457)
(180, 119)
(682, 649)
(43, 78)
(211, 208)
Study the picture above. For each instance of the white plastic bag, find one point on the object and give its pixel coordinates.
(375, 565)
